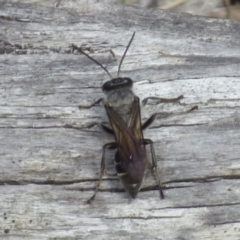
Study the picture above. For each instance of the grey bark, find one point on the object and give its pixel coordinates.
(49, 171)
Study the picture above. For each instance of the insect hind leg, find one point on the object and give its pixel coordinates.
(103, 169)
(154, 165)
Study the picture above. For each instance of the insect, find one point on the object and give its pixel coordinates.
(232, 7)
(123, 110)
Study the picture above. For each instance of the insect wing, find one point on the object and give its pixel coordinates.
(129, 138)
(134, 121)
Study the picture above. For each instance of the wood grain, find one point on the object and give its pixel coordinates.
(48, 171)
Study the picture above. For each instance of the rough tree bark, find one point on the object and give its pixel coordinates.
(48, 171)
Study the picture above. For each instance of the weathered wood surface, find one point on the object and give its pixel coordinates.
(48, 171)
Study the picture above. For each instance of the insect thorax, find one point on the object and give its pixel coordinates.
(121, 100)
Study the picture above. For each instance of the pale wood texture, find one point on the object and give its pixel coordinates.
(48, 171)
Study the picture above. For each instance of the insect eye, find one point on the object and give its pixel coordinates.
(117, 83)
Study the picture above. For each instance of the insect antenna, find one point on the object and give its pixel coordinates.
(119, 67)
(98, 63)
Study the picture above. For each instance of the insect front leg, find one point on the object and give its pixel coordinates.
(92, 105)
(110, 145)
(92, 124)
(162, 100)
(149, 121)
(154, 165)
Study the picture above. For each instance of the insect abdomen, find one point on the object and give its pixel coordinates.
(132, 186)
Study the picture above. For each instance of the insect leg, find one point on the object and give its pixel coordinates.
(228, 7)
(154, 165)
(162, 100)
(103, 169)
(94, 104)
(149, 121)
(90, 125)
(101, 125)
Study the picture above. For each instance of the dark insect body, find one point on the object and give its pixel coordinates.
(123, 110)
